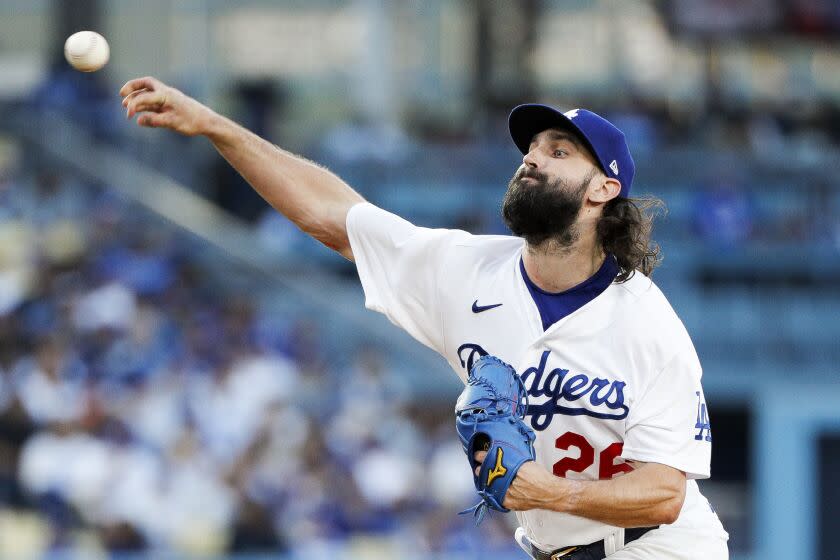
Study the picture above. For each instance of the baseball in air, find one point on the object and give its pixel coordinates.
(86, 51)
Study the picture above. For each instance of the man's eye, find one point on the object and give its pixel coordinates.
(559, 153)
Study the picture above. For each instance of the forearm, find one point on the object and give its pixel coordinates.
(313, 198)
(652, 494)
(644, 497)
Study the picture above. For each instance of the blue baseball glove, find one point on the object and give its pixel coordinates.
(489, 417)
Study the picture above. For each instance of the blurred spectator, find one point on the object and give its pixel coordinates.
(112, 306)
(51, 384)
(229, 407)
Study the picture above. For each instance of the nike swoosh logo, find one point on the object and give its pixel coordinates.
(479, 308)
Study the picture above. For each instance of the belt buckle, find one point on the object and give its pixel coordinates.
(564, 552)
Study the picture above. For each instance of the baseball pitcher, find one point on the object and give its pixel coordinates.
(583, 410)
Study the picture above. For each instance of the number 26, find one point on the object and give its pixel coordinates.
(606, 460)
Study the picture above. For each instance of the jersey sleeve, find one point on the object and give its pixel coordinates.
(400, 266)
(669, 423)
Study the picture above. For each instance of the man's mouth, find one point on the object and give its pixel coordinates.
(533, 177)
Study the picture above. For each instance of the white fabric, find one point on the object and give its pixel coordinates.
(522, 540)
(619, 371)
(670, 542)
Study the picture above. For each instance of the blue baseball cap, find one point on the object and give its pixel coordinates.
(605, 141)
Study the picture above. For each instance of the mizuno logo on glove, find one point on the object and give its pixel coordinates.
(498, 470)
(489, 417)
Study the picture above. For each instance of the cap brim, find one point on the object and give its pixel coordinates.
(526, 121)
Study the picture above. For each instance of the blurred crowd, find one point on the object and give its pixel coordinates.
(143, 408)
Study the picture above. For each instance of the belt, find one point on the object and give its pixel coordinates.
(592, 551)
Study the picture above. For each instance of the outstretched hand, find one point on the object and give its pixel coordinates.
(160, 105)
(532, 488)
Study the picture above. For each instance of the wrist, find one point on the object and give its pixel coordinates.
(567, 493)
(214, 126)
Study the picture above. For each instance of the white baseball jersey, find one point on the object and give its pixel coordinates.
(616, 380)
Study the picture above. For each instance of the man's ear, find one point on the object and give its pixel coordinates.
(604, 190)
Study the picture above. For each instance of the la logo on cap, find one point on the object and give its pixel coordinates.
(572, 114)
(614, 166)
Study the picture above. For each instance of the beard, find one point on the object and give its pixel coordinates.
(542, 210)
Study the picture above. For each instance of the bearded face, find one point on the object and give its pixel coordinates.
(538, 209)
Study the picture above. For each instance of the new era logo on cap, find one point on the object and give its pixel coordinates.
(606, 142)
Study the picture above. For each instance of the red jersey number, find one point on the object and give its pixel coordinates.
(607, 468)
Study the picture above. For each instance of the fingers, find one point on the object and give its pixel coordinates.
(159, 105)
(143, 100)
(128, 97)
(147, 82)
(154, 120)
(479, 457)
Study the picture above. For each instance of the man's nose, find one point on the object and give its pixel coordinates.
(531, 159)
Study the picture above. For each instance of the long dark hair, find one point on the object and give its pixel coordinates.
(624, 230)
